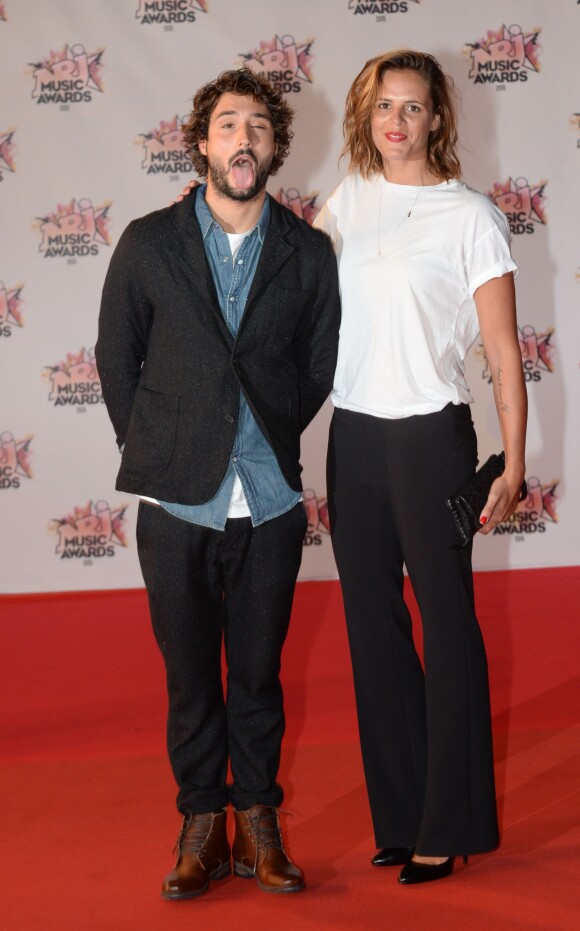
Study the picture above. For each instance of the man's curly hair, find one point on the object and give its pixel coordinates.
(247, 84)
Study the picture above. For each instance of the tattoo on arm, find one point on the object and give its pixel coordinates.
(502, 405)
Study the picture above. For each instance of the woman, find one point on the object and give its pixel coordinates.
(424, 264)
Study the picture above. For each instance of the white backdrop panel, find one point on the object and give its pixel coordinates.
(91, 95)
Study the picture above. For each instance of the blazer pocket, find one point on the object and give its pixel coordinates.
(291, 304)
(152, 431)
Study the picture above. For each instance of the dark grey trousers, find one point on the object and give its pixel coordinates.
(205, 585)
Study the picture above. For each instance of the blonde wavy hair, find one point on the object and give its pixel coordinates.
(363, 155)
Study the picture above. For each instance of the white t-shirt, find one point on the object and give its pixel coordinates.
(408, 314)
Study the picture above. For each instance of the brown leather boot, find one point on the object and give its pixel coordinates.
(258, 851)
(203, 853)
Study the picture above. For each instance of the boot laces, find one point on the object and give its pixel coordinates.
(267, 830)
(194, 833)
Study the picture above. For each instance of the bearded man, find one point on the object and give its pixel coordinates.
(217, 345)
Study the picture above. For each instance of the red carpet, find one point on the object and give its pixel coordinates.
(88, 821)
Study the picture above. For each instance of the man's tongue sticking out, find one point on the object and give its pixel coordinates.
(243, 173)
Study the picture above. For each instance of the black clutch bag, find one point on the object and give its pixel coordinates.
(467, 504)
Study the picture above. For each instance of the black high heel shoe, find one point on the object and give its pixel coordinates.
(413, 872)
(393, 856)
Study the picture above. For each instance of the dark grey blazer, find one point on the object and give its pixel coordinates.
(171, 370)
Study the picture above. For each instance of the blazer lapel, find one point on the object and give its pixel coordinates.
(277, 247)
(190, 250)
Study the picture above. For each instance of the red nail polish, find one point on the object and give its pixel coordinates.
(483, 519)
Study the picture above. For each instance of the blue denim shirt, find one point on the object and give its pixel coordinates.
(267, 493)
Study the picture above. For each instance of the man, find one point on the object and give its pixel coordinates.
(217, 345)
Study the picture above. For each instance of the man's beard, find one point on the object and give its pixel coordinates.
(219, 178)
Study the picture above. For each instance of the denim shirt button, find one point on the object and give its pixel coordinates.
(229, 418)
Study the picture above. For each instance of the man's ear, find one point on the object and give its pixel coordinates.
(202, 146)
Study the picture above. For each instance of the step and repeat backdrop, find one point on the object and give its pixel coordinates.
(92, 99)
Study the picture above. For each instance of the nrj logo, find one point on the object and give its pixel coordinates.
(6, 153)
(317, 514)
(92, 532)
(14, 460)
(523, 204)
(10, 308)
(164, 149)
(169, 11)
(285, 63)
(75, 229)
(379, 7)
(536, 512)
(75, 381)
(504, 56)
(69, 76)
(537, 351)
(303, 207)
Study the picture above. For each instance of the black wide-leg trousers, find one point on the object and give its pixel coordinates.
(425, 736)
(205, 585)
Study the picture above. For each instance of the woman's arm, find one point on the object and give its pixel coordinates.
(496, 310)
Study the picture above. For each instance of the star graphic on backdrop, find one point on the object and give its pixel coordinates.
(5, 146)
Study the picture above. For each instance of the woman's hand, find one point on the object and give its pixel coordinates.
(189, 187)
(503, 500)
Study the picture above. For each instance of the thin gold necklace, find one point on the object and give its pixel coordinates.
(404, 217)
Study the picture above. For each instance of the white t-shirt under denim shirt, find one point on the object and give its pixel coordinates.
(408, 314)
